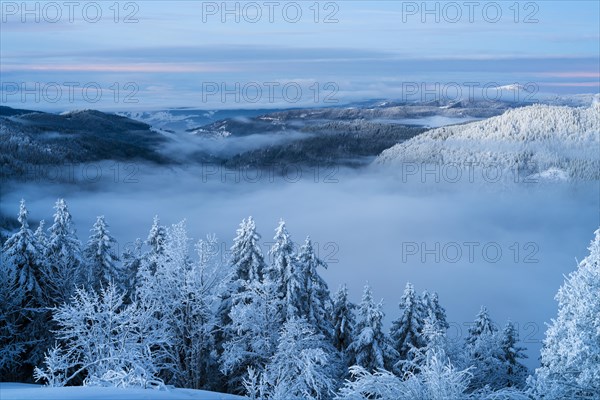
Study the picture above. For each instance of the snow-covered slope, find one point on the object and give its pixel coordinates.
(21, 391)
(539, 138)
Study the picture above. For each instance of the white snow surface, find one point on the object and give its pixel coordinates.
(22, 391)
(546, 137)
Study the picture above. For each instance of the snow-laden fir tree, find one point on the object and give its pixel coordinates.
(285, 272)
(254, 331)
(303, 367)
(105, 342)
(156, 241)
(132, 260)
(370, 348)
(40, 234)
(514, 373)
(431, 302)
(23, 256)
(315, 298)
(198, 364)
(247, 260)
(483, 325)
(163, 292)
(485, 354)
(571, 350)
(63, 257)
(405, 332)
(24, 313)
(343, 319)
(247, 264)
(11, 344)
(101, 262)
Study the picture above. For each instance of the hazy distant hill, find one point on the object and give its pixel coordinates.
(30, 138)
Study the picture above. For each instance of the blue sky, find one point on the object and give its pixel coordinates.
(171, 54)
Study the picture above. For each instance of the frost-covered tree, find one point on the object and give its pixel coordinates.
(571, 350)
(132, 261)
(483, 325)
(405, 332)
(23, 310)
(370, 348)
(11, 344)
(438, 380)
(315, 298)
(23, 257)
(431, 302)
(485, 354)
(302, 367)
(255, 325)
(163, 292)
(284, 271)
(105, 342)
(40, 235)
(247, 259)
(63, 257)
(198, 365)
(514, 373)
(156, 241)
(100, 259)
(343, 319)
(247, 264)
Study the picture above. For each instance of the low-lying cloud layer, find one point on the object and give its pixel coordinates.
(505, 246)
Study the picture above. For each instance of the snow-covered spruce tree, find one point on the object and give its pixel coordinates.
(284, 271)
(198, 364)
(431, 302)
(303, 366)
(485, 354)
(255, 324)
(405, 332)
(514, 373)
(571, 351)
(156, 241)
(40, 235)
(11, 345)
(315, 298)
(63, 257)
(23, 268)
(247, 264)
(105, 342)
(101, 262)
(371, 348)
(343, 320)
(162, 291)
(23, 256)
(132, 260)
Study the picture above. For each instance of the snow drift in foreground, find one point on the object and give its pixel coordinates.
(548, 142)
(22, 391)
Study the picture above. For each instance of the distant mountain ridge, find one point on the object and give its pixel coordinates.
(544, 137)
(30, 138)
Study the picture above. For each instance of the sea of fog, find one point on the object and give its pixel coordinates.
(504, 245)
